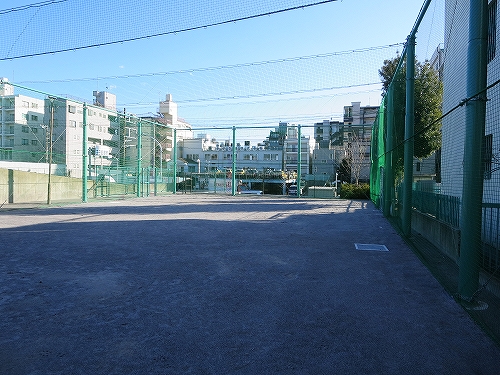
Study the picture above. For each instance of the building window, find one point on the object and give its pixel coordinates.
(25, 129)
(34, 130)
(492, 30)
(72, 123)
(34, 118)
(25, 141)
(34, 142)
(71, 109)
(487, 155)
(418, 167)
(5, 154)
(34, 105)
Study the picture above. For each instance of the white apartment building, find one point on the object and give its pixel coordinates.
(276, 154)
(158, 141)
(349, 139)
(103, 135)
(26, 124)
(211, 155)
(22, 131)
(291, 151)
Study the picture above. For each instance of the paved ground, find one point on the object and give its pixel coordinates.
(224, 285)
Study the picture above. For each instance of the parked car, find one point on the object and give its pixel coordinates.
(292, 190)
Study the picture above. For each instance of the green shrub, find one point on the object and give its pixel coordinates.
(353, 191)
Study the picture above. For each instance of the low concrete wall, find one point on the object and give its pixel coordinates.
(320, 192)
(447, 239)
(442, 235)
(28, 187)
(4, 186)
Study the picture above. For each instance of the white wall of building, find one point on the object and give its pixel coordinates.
(22, 135)
(455, 90)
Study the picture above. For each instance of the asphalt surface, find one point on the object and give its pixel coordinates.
(190, 284)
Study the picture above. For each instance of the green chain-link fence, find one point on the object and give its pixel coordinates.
(435, 148)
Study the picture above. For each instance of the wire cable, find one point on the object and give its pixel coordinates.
(169, 32)
(29, 6)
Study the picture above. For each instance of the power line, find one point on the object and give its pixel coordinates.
(221, 67)
(169, 32)
(275, 93)
(261, 95)
(29, 6)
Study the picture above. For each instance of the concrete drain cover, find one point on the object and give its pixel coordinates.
(370, 247)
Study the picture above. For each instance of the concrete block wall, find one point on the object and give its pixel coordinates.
(29, 187)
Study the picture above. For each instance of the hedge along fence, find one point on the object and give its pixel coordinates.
(353, 191)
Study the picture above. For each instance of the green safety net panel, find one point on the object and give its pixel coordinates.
(377, 155)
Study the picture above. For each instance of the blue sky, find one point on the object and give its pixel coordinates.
(261, 90)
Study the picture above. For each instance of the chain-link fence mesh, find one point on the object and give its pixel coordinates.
(95, 151)
(431, 171)
(435, 169)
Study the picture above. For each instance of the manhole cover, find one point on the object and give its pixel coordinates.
(370, 247)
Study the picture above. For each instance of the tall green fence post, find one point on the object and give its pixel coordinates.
(299, 159)
(174, 190)
(233, 172)
(139, 158)
(389, 144)
(472, 196)
(51, 149)
(84, 155)
(409, 132)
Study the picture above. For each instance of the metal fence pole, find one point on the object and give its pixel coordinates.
(409, 132)
(84, 155)
(139, 157)
(470, 243)
(233, 172)
(299, 159)
(389, 142)
(174, 173)
(51, 148)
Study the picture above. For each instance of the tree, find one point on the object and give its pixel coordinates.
(358, 144)
(345, 170)
(428, 99)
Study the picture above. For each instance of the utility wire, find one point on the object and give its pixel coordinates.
(262, 95)
(170, 32)
(29, 6)
(221, 67)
